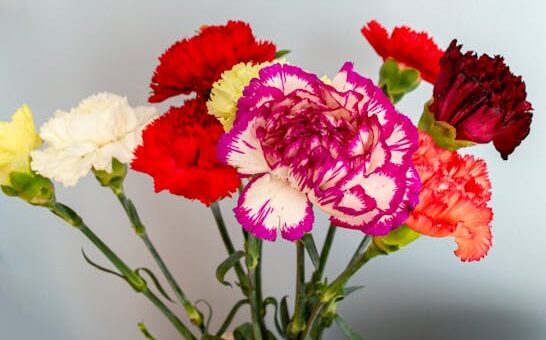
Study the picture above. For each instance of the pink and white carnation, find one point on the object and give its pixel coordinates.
(340, 146)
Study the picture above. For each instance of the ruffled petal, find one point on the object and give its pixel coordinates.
(268, 205)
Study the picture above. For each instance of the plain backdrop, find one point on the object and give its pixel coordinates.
(54, 53)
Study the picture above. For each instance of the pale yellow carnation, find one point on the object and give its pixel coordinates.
(228, 89)
(17, 139)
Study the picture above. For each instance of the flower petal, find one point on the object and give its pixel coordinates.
(268, 205)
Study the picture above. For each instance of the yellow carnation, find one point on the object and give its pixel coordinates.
(17, 139)
(228, 89)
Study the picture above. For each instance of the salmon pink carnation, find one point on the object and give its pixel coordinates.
(342, 147)
(453, 200)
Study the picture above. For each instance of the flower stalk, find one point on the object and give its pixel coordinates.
(252, 247)
(297, 325)
(134, 280)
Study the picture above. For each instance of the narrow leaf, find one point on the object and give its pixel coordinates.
(101, 268)
(309, 244)
(230, 316)
(284, 313)
(349, 290)
(347, 330)
(226, 265)
(272, 301)
(244, 332)
(281, 53)
(209, 307)
(144, 331)
(156, 282)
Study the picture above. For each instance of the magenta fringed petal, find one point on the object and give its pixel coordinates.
(342, 147)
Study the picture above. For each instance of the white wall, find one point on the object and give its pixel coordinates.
(54, 53)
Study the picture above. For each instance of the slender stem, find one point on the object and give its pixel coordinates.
(259, 294)
(333, 289)
(360, 249)
(296, 326)
(314, 313)
(217, 213)
(317, 275)
(169, 314)
(130, 275)
(193, 314)
(252, 259)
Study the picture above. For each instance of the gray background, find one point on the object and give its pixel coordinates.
(54, 53)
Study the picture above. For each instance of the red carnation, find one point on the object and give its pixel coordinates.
(408, 47)
(179, 152)
(481, 99)
(194, 64)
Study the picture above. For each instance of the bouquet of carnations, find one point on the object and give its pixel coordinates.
(290, 144)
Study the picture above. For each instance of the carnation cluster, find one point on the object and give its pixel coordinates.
(288, 145)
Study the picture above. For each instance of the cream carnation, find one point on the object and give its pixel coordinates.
(227, 90)
(100, 128)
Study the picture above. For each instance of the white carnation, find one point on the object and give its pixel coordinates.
(101, 128)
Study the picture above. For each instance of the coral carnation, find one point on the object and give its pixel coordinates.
(481, 99)
(179, 152)
(342, 147)
(406, 46)
(453, 200)
(194, 64)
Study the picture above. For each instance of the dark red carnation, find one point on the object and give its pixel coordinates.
(408, 47)
(179, 152)
(194, 64)
(482, 99)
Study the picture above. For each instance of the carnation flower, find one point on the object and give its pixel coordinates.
(17, 139)
(194, 64)
(179, 152)
(481, 99)
(342, 147)
(227, 91)
(408, 47)
(100, 128)
(453, 200)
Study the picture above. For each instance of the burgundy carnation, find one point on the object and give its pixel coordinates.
(481, 99)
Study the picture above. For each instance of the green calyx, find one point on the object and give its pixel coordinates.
(393, 241)
(396, 81)
(31, 187)
(443, 133)
(114, 179)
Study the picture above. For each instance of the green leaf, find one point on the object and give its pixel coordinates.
(273, 302)
(144, 331)
(101, 268)
(284, 313)
(244, 332)
(155, 280)
(309, 244)
(230, 316)
(226, 265)
(349, 290)
(443, 134)
(209, 307)
(347, 330)
(281, 53)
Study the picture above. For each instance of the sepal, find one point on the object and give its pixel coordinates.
(444, 134)
(114, 179)
(31, 187)
(393, 241)
(396, 80)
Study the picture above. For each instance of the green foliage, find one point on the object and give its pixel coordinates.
(396, 81)
(226, 265)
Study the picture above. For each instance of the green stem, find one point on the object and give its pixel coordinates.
(335, 287)
(297, 325)
(252, 260)
(360, 249)
(169, 314)
(259, 294)
(217, 213)
(138, 284)
(325, 252)
(193, 314)
(314, 313)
